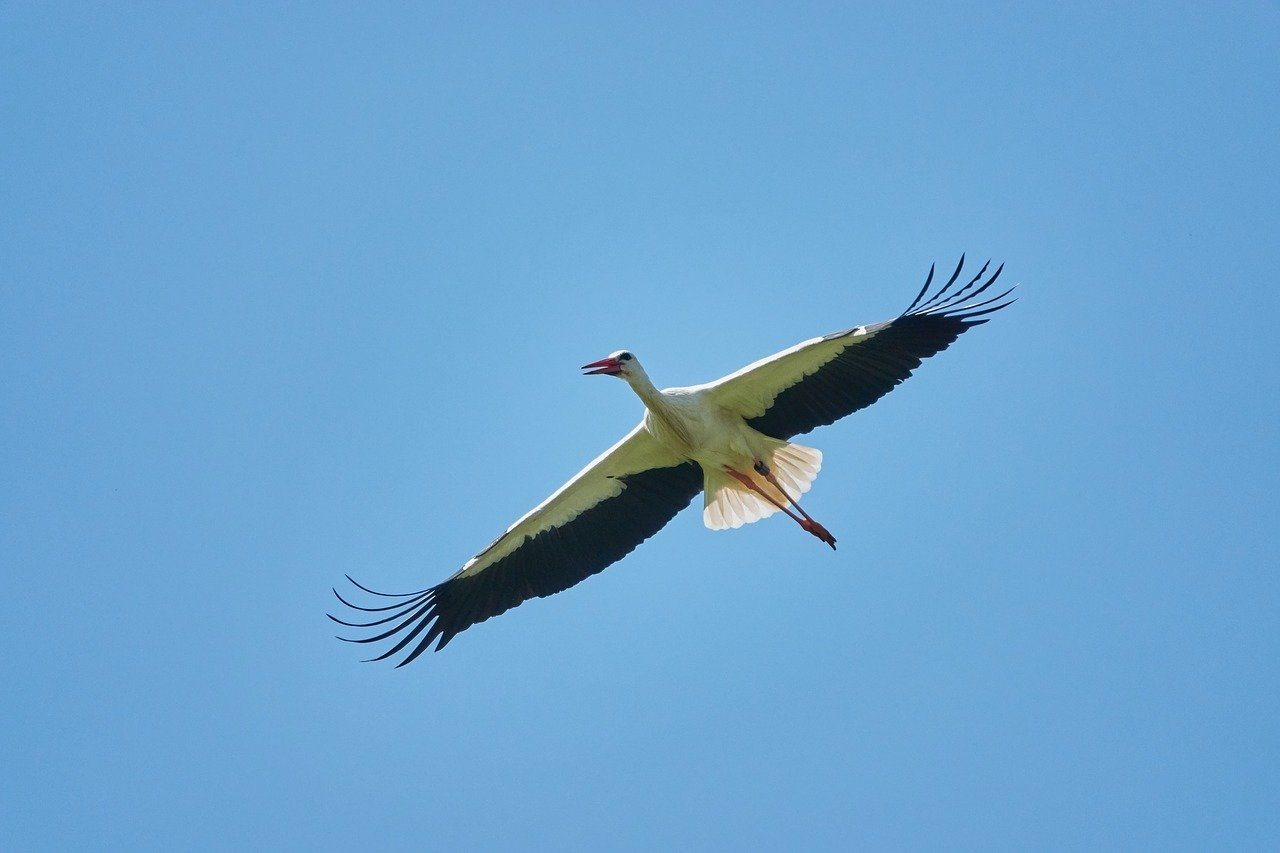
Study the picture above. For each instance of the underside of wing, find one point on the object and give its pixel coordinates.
(622, 498)
(821, 380)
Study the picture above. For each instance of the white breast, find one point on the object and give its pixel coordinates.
(689, 424)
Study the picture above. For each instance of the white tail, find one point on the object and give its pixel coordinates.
(729, 504)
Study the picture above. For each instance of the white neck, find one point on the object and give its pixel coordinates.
(644, 388)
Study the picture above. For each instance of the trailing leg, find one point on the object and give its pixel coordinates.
(808, 522)
(805, 522)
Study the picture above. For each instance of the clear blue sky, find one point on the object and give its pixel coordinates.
(288, 291)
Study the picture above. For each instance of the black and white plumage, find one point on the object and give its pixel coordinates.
(728, 439)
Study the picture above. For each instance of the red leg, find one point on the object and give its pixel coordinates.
(753, 486)
(807, 523)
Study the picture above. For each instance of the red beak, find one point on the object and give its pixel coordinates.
(605, 367)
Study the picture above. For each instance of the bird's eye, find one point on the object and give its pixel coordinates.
(626, 356)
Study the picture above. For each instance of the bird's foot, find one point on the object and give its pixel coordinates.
(761, 468)
(818, 530)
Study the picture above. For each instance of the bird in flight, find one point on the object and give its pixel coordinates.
(729, 439)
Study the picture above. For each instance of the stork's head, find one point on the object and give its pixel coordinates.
(621, 363)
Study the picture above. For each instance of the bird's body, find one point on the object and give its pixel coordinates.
(729, 439)
(695, 425)
(689, 423)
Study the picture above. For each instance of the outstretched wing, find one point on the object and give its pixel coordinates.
(621, 499)
(819, 381)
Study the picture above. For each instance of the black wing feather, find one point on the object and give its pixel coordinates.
(867, 369)
(550, 562)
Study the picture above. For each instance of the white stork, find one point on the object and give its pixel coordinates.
(729, 439)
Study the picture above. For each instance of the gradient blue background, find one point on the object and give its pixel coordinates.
(297, 290)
